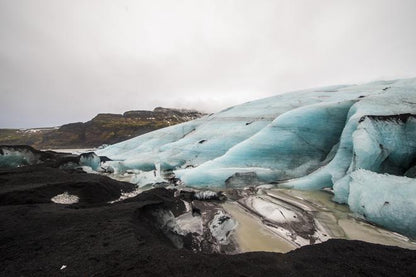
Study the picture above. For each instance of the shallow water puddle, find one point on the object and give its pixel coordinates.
(252, 235)
(338, 220)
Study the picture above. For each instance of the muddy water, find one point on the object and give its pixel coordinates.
(345, 224)
(252, 235)
(337, 220)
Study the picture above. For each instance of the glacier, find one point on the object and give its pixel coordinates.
(358, 140)
(385, 199)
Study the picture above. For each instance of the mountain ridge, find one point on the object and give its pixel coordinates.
(104, 128)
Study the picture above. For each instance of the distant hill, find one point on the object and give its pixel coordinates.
(105, 128)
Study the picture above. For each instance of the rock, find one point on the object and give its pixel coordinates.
(243, 179)
(102, 130)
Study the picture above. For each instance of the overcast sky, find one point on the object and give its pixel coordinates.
(66, 61)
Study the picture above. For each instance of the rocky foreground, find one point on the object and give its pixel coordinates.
(129, 237)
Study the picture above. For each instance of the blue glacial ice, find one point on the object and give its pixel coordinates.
(11, 156)
(310, 139)
(90, 159)
(384, 199)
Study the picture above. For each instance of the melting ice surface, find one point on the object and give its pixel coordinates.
(357, 139)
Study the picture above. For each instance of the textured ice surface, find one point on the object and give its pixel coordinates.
(195, 142)
(309, 139)
(291, 146)
(387, 200)
(269, 211)
(90, 159)
(143, 178)
(221, 227)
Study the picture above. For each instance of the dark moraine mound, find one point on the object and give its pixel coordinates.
(38, 184)
(94, 238)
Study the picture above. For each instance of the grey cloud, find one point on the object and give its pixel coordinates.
(64, 61)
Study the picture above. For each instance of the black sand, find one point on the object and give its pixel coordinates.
(94, 238)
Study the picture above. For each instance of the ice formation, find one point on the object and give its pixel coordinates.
(221, 227)
(16, 156)
(65, 198)
(384, 199)
(309, 139)
(90, 159)
(206, 195)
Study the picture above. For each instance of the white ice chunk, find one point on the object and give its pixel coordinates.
(221, 227)
(272, 212)
(205, 195)
(144, 178)
(65, 198)
(189, 223)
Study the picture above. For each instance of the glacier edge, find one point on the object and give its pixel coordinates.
(343, 137)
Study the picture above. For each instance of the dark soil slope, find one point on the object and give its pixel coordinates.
(94, 238)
